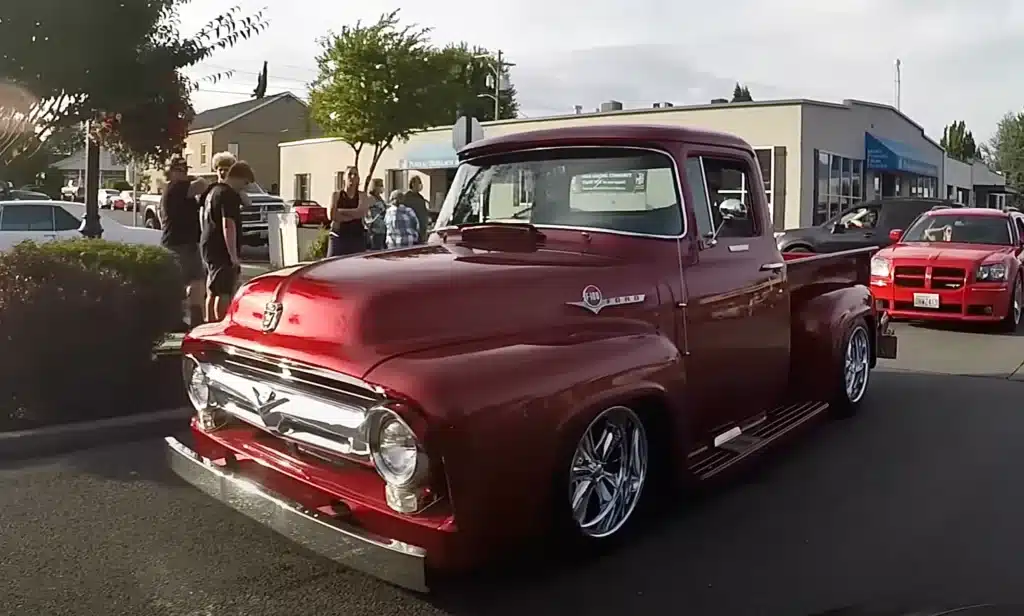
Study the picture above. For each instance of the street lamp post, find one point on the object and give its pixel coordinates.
(497, 66)
(91, 226)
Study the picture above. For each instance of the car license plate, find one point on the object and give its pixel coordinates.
(926, 300)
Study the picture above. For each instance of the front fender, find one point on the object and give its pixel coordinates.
(498, 412)
(819, 324)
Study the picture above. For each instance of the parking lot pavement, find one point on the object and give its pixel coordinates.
(942, 349)
(914, 503)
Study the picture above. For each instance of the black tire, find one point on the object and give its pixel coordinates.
(570, 535)
(798, 249)
(1012, 320)
(847, 396)
(151, 222)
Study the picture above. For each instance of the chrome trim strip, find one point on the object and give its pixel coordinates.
(393, 561)
(287, 363)
(675, 169)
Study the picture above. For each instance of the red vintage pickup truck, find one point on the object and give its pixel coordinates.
(601, 313)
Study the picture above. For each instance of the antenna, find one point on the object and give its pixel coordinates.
(896, 84)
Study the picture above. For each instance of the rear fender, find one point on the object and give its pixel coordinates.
(501, 412)
(819, 324)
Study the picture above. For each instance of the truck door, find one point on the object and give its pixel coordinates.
(737, 307)
(857, 227)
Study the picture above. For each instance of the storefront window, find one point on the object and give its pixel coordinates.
(923, 187)
(839, 184)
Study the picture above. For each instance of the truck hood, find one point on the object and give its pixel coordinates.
(935, 252)
(351, 313)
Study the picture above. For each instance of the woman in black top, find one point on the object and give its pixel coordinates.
(348, 236)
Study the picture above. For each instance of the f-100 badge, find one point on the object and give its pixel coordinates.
(595, 302)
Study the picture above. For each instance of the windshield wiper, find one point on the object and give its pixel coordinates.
(525, 210)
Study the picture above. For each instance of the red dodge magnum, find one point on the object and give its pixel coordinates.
(954, 265)
(602, 311)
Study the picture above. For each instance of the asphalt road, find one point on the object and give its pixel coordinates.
(914, 502)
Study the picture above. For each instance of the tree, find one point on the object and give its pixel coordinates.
(261, 83)
(131, 85)
(377, 84)
(959, 142)
(1006, 149)
(468, 72)
(741, 94)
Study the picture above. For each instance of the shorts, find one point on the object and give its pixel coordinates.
(191, 263)
(222, 280)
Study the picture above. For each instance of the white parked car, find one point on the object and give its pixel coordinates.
(44, 221)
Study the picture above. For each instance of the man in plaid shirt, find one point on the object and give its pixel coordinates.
(403, 228)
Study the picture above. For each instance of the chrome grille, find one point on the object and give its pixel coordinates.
(295, 402)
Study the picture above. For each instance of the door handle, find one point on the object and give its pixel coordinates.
(868, 234)
(773, 267)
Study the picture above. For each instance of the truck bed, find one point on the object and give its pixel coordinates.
(810, 274)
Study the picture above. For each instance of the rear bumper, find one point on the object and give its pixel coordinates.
(393, 561)
(976, 303)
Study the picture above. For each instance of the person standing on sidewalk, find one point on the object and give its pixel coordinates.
(402, 224)
(376, 231)
(348, 207)
(179, 224)
(418, 203)
(221, 241)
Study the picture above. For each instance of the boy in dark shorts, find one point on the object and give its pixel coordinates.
(221, 241)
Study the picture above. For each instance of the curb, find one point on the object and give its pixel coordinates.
(52, 440)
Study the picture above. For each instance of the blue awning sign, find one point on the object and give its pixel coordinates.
(891, 155)
(430, 156)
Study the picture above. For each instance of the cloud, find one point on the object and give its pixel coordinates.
(959, 58)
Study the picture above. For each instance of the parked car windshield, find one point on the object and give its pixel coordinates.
(960, 228)
(612, 189)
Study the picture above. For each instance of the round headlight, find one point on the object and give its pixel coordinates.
(394, 449)
(196, 385)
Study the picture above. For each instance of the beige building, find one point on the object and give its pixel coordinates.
(251, 130)
(816, 158)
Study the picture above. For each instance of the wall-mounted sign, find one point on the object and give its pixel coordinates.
(612, 181)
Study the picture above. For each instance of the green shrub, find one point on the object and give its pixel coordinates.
(318, 248)
(122, 185)
(78, 323)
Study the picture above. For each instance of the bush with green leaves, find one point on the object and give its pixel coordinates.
(318, 248)
(78, 323)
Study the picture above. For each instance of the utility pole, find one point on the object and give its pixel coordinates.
(897, 84)
(498, 69)
(91, 226)
(497, 66)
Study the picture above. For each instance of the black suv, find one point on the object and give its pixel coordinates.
(860, 226)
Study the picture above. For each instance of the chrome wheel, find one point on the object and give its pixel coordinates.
(857, 364)
(1018, 301)
(608, 472)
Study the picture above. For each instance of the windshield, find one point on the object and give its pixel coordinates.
(610, 189)
(960, 228)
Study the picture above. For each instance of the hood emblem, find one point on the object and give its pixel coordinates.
(271, 316)
(595, 302)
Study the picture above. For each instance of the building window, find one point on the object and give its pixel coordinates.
(963, 196)
(301, 187)
(339, 181)
(766, 160)
(838, 184)
(202, 154)
(923, 187)
(233, 149)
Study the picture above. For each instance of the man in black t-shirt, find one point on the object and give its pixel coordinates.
(221, 241)
(179, 223)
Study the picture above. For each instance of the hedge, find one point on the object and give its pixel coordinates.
(78, 323)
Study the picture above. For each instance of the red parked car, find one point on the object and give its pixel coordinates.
(954, 265)
(600, 318)
(310, 212)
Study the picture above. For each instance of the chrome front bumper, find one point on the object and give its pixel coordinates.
(389, 560)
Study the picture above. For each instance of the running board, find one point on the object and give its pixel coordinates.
(735, 445)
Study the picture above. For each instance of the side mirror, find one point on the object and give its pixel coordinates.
(733, 209)
(896, 234)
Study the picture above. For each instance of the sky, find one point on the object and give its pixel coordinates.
(958, 58)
